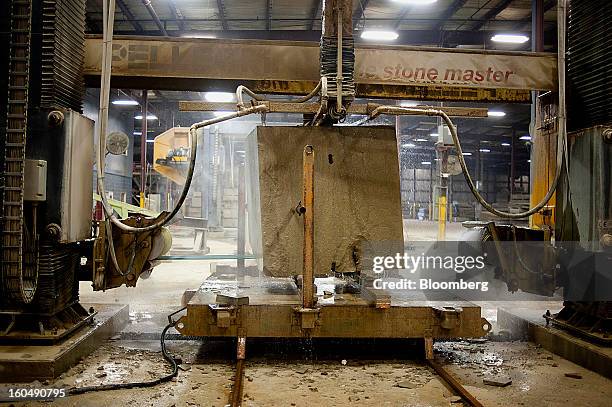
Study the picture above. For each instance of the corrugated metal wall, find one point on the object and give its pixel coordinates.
(589, 63)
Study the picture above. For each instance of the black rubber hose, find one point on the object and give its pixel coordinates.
(121, 386)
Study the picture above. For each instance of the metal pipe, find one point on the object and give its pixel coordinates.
(206, 257)
(143, 146)
(561, 149)
(308, 205)
(155, 17)
(241, 241)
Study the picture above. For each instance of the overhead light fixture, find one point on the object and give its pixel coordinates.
(376, 35)
(485, 150)
(505, 144)
(510, 38)
(467, 154)
(408, 103)
(125, 102)
(138, 133)
(409, 145)
(149, 117)
(421, 140)
(426, 162)
(525, 138)
(528, 161)
(150, 141)
(198, 36)
(434, 135)
(219, 97)
(496, 113)
(416, 2)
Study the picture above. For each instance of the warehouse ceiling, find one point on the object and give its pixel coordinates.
(449, 23)
(444, 23)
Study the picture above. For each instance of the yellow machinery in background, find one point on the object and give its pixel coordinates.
(171, 154)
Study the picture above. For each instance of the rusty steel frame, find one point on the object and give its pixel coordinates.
(286, 319)
(175, 64)
(235, 398)
(312, 108)
(308, 214)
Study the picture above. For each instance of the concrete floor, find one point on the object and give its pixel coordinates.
(281, 375)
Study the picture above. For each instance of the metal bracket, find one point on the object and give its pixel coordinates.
(605, 231)
(224, 315)
(449, 317)
(307, 318)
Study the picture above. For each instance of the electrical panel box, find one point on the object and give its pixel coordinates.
(77, 187)
(444, 135)
(35, 181)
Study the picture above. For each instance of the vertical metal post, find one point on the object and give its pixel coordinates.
(339, 61)
(143, 147)
(308, 205)
(512, 163)
(442, 193)
(241, 217)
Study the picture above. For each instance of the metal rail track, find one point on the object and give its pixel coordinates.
(19, 282)
(454, 384)
(235, 397)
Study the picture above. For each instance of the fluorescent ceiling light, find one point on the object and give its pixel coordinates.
(505, 144)
(485, 150)
(150, 141)
(409, 145)
(426, 162)
(149, 117)
(379, 35)
(420, 140)
(416, 2)
(494, 113)
(210, 36)
(408, 103)
(510, 38)
(434, 135)
(467, 154)
(138, 133)
(525, 138)
(219, 97)
(125, 102)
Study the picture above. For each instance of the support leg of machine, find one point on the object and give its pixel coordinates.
(236, 393)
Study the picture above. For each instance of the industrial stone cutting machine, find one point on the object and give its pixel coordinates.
(323, 195)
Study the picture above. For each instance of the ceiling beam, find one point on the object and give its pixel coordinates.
(398, 22)
(406, 37)
(314, 11)
(448, 13)
(526, 22)
(491, 14)
(129, 16)
(222, 19)
(176, 14)
(360, 12)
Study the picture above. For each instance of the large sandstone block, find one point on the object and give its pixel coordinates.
(357, 195)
